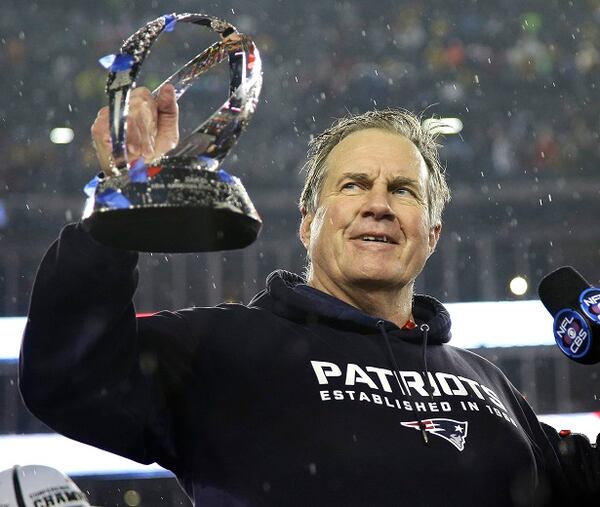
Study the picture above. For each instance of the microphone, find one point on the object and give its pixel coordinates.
(575, 306)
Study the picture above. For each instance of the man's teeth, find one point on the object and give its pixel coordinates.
(382, 239)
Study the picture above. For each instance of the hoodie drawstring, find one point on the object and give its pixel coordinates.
(381, 326)
(429, 389)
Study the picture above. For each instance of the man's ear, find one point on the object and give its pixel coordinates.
(304, 231)
(434, 236)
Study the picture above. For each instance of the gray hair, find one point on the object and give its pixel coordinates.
(398, 121)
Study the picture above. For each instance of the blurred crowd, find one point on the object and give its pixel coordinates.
(522, 76)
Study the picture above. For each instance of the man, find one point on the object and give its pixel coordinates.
(337, 389)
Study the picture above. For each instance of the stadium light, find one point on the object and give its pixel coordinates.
(443, 125)
(61, 135)
(518, 286)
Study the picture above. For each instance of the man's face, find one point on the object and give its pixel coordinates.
(371, 228)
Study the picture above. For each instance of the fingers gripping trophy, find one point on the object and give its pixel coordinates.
(181, 201)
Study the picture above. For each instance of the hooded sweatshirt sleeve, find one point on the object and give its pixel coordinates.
(553, 488)
(88, 368)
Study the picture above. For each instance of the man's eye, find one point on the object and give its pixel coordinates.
(351, 185)
(403, 191)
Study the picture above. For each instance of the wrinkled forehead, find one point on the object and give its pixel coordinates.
(376, 152)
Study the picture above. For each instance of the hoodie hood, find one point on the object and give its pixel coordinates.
(286, 294)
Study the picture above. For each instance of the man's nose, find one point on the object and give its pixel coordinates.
(377, 205)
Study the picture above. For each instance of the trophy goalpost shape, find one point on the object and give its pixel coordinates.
(183, 201)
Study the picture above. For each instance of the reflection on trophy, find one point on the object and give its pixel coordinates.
(183, 201)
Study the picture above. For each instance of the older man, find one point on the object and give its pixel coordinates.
(334, 389)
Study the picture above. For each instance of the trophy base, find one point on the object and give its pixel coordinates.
(173, 229)
(182, 208)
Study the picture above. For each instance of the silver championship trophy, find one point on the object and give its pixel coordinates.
(183, 201)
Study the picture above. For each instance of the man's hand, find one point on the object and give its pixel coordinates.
(580, 462)
(152, 126)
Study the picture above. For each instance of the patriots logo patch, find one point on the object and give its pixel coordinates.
(453, 431)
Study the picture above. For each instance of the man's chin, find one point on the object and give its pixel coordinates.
(377, 281)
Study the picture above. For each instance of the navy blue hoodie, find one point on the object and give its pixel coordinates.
(294, 399)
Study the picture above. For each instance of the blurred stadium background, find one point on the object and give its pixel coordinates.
(521, 76)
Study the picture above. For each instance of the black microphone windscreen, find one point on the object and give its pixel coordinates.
(561, 289)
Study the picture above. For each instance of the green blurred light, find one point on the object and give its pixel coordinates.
(531, 22)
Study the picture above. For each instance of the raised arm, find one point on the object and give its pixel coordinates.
(84, 367)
